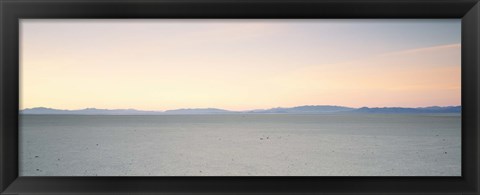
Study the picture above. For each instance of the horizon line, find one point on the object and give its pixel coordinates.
(255, 109)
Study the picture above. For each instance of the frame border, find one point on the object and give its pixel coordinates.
(13, 10)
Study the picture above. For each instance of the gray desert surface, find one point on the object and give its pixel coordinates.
(241, 145)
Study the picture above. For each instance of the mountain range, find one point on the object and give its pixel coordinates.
(309, 109)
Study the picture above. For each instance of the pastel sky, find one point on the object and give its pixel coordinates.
(238, 64)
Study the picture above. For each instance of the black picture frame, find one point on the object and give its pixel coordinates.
(13, 10)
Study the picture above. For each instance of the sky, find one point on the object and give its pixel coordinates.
(163, 64)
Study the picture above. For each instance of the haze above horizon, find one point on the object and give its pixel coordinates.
(205, 108)
(239, 64)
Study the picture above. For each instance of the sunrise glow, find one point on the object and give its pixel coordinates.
(239, 64)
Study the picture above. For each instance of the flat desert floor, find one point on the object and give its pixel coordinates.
(241, 145)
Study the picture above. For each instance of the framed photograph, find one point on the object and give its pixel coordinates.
(245, 97)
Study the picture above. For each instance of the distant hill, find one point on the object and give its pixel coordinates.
(312, 109)
(43, 110)
(305, 109)
(400, 110)
(198, 111)
(88, 111)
